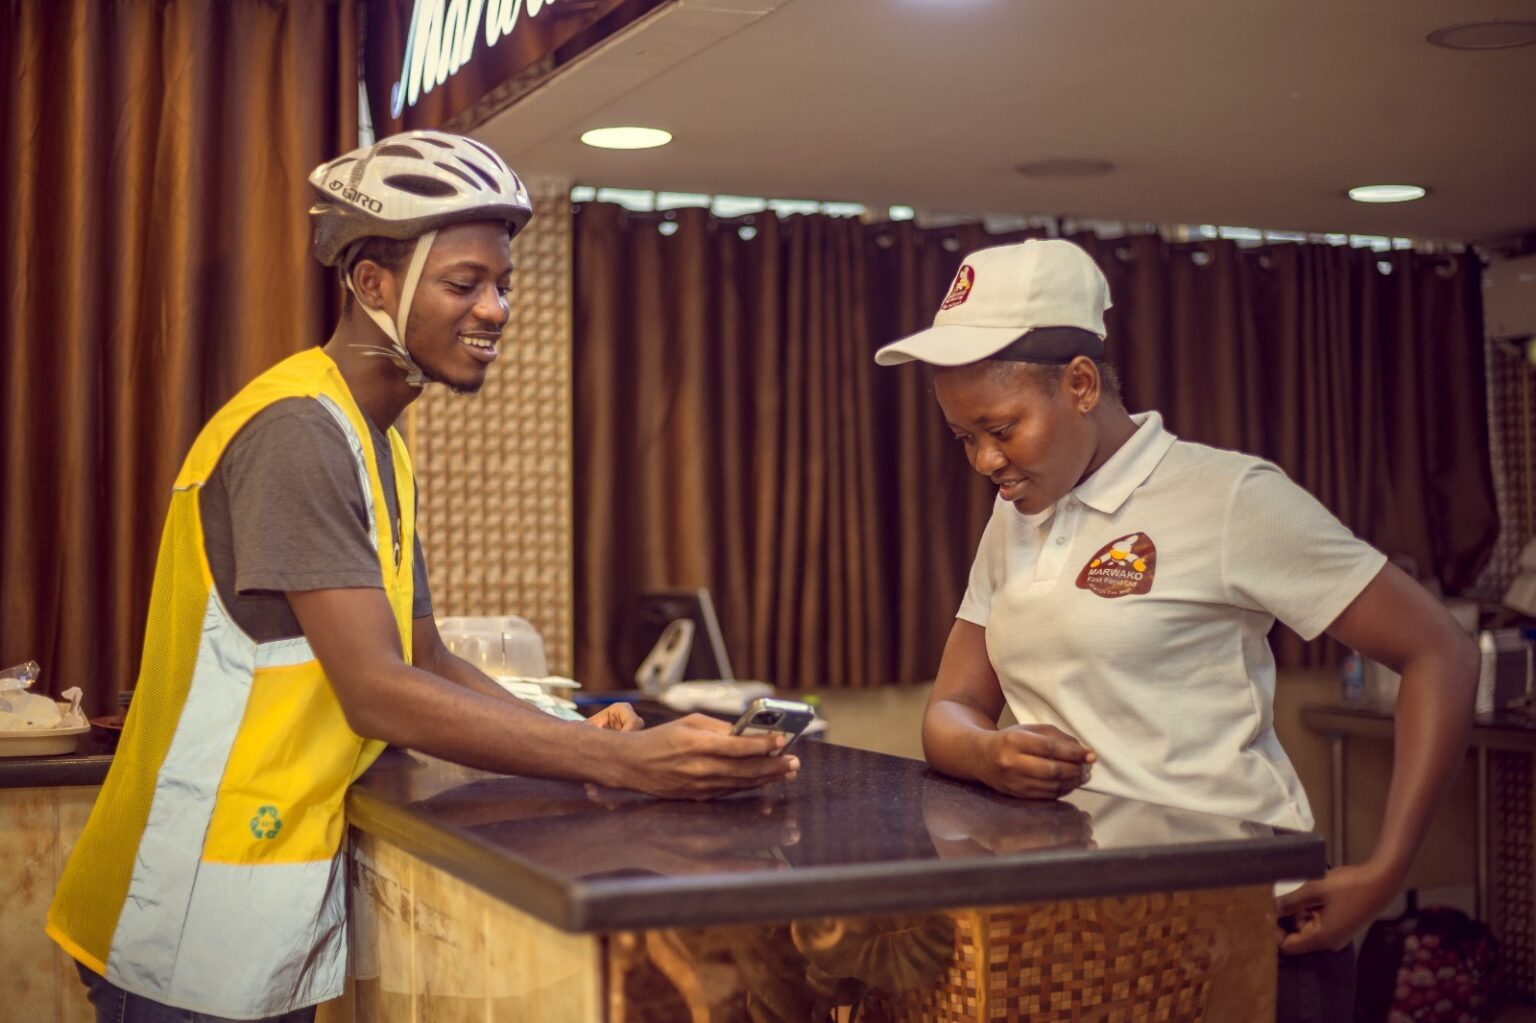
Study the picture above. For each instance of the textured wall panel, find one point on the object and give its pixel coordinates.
(1512, 448)
(1514, 865)
(495, 468)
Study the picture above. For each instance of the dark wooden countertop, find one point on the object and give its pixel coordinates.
(86, 766)
(855, 833)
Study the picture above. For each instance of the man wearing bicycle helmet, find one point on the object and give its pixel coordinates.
(290, 634)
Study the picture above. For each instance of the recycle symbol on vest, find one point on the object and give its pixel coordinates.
(266, 823)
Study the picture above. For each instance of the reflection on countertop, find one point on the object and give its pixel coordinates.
(857, 832)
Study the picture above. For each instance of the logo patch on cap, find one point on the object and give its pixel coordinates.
(1121, 568)
(961, 289)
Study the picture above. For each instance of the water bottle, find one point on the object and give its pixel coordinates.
(1487, 676)
(1352, 679)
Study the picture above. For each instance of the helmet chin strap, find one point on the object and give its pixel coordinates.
(395, 330)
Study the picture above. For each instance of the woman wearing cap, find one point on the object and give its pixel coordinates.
(1123, 590)
(290, 634)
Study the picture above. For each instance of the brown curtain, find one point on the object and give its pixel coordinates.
(1359, 373)
(732, 432)
(155, 249)
(724, 438)
(933, 505)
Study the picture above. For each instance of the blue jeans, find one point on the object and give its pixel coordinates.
(114, 1005)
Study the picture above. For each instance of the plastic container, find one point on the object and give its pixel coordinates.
(508, 645)
(1506, 670)
(43, 742)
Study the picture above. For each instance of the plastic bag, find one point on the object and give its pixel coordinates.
(19, 677)
(24, 711)
(1426, 966)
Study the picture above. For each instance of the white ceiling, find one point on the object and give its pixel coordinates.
(1244, 112)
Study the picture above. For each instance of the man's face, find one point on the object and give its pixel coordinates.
(460, 305)
(1033, 444)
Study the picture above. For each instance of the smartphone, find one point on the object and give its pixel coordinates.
(763, 716)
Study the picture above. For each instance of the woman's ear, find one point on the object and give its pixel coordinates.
(1081, 380)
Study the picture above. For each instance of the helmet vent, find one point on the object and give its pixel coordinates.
(398, 150)
(490, 181)
(420, 184)
(489, 154)
(439, 143)
(471, 182)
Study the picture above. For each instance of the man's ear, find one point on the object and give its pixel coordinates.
(374, 284)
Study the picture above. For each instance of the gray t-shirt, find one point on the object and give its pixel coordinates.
(284, 510)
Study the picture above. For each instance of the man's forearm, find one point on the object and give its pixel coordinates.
(461, 673)
(457, 719)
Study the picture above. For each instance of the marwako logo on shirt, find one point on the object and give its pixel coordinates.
(1123, 567)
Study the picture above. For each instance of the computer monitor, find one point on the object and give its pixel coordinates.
(659, 608)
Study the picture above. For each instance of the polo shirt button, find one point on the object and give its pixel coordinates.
(1060, 540)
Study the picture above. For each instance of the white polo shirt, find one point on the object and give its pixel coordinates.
(1134, 615)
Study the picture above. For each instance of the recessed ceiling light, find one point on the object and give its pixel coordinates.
(1386, 193)
(626, 138)
(1065, 167)
(1485, 35)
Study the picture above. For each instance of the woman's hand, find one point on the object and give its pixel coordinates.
(1328, 913)
(1032, 761)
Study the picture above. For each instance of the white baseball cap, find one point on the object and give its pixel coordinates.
(1002, 294)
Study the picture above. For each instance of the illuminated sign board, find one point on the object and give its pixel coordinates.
(442, 39)
(451, 63)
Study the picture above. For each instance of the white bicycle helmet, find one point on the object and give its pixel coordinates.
(409, 186)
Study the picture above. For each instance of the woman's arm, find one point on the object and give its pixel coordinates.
(961, 737)
(1396, 622)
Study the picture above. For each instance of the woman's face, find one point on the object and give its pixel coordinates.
(1035, 444)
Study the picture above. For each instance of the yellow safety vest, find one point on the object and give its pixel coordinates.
(210, 875)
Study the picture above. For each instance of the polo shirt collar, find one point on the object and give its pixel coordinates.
(1107, 489)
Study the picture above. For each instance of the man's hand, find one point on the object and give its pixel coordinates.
(617, 717)
(1328, 913)
(697, 757)
(1032, 761)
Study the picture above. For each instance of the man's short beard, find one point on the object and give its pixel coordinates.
(453, 388)
(432, 375)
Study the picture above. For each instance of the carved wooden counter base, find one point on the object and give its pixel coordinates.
(428, 947)
(1177, 957)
